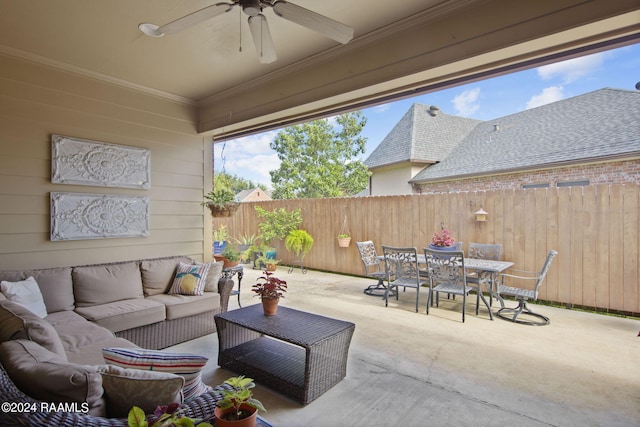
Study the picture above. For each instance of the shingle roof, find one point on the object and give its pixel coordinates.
(424, 134)
(599, 124)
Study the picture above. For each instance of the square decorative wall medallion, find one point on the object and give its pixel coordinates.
(76, 216)
(84, 162)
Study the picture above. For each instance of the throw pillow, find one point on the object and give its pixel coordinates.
(190, 279)
(26, 293)
(188, 366)
(44, 376)
(125, 388)
(213, 277)
(16, 322)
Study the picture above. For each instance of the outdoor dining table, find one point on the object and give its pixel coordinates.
(486, 269)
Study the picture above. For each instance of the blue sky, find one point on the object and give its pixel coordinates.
(251, 158)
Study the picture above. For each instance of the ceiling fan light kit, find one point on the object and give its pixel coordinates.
(258, 23)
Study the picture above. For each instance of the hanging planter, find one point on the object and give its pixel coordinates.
(344, 238)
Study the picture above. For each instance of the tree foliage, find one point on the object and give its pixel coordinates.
(318, 159)
(234, 183)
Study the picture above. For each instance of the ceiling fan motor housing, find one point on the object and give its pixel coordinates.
(251, 7)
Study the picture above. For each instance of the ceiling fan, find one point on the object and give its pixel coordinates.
(258, 23)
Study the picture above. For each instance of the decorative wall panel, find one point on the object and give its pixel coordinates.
(76, 216)
(84, 162)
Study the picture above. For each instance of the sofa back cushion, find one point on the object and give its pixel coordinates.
(102, 284)
(158, 274)
(56, 287)
(16, 322)
(44, 376)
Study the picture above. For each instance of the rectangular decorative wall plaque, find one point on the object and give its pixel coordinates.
(77, 216)
(84, 162)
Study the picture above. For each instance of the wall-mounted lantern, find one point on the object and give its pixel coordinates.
(481, 215)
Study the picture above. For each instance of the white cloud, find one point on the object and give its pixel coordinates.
(571, 69)
(465, 103)
(249, 157)
(548, 95)
(381, 108)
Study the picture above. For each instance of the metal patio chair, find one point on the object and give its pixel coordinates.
(523, 295)
(447, 275)
(401, 267)
(372, 268)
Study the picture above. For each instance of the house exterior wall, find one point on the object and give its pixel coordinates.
(257, 196)
(37, 101)
(392, 181)
(618, 172)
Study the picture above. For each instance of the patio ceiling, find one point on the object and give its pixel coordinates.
(400, 47)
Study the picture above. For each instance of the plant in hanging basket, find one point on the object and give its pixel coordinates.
(343, 240)
(221, 202)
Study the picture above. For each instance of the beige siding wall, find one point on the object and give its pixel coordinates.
(392, 181)
(37, 101)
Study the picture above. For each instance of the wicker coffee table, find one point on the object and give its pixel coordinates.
(299, 354)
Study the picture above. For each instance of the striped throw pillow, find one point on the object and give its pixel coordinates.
(190, 279)
(188, 366)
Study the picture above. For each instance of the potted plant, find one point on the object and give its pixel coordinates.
(238, 407)
(299, 242)
(265, 262)
(442, 240)
(245, 242)
(221, 202)
(220, 236)
(343, 240)
(270, 289)
(230, 257)
(276, 225)
(163, 416)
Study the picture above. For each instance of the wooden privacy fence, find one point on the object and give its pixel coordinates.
(595, 230)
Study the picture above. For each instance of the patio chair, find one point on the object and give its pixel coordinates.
(447, 275)
(401, 267)
(372, 268)
(482, 251)
(523, 295)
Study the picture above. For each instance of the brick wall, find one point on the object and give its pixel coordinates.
(600, 173)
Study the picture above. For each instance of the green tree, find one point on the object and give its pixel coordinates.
(234, 183)
(318, 159)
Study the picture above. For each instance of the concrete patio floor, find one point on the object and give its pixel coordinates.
(410, 369)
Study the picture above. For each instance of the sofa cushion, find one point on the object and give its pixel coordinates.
(26, 293)
(125, 388)
(158, 274)
(178, 306)
(188, 366)
(16, 322)
(45, 376)
(102, 284)
(56, 286)
(76, 332)
(122, 315)
(189, 279)
(91, 354)
(213, 276)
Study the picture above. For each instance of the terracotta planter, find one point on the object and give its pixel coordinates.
(344, 242)
(245, 422)
(270, 306)
(271, 266)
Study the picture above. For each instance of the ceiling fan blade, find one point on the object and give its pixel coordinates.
(314, 21)
(262, 38)
(186, 21)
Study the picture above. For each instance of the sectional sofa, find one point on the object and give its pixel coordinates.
(52, 349)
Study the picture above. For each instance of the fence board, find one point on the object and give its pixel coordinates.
(596, 231)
